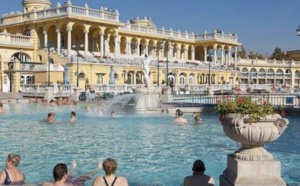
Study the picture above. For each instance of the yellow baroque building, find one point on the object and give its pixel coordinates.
(68, 44)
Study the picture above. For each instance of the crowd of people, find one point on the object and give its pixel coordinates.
(12, 175)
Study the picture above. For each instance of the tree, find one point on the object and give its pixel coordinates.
(277, 54)
(257, 55)
(242, 53)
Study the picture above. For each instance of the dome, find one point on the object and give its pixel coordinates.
(145, 22)
(31, 5)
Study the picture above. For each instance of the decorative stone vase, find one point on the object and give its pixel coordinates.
(253, 136)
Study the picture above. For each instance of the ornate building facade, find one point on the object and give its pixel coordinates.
(65, 43)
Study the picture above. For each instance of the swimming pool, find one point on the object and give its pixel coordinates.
(150, 149)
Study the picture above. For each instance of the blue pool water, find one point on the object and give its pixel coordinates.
(150, 149)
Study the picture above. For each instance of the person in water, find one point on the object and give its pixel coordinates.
(1, 108)
(63, 177)
(112, 114)
(11, 175)
(180, 119)
(197, 119)
(110, 166)
(50, 118)
(73, 116)
(198, 177)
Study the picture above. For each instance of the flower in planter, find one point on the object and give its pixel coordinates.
(251, 110)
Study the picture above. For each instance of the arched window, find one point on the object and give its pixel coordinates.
(279, 73)
(191, 79)
(181, 79)
(245, 72)
(262, 72)
(81, 75)
(270, 72)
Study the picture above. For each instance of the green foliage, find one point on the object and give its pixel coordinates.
(277, 54)
(245, 106)
(242, 53)
(256, 55)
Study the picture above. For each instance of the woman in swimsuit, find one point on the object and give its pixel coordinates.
(12, 175)
(110, 166)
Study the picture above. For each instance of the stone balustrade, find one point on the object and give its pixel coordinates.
(66, 9)
(15, 40)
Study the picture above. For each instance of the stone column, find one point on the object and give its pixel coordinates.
(178, 53)
(45, 39)
(215, 54)
(129, 48)
(222, 54)
(126, 75)
(186, 54)
(69, 43)
(193, 54)
(137, 49)
(116, 45)
(134, 77)
(106, 43)
(101, 44)
(58, 41)
(235, 57)
(205, 54)
(146, 49)
(86, 41)
(229, 55)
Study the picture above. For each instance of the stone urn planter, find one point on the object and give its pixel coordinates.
(253, 136)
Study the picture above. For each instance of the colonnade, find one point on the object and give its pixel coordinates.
(128, 45)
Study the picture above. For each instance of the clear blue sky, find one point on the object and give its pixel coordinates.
(261, 25)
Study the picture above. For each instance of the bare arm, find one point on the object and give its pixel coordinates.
(2, 177)
(73, 167)
(97, 181)
(95, 170)
(124, 181)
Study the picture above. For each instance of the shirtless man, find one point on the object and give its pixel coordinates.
(1, 108)
(198, 177)
(73, 117)
(63, 178)
(180, 119)
(60, 174)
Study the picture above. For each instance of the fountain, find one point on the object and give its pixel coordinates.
(146, 98)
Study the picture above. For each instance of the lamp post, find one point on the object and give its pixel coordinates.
(77, 46)
(49, 46)
(168, 42)
(209, 75)
(290, 74)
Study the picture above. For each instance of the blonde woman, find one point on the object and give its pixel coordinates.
(110, 166)
(12, 175)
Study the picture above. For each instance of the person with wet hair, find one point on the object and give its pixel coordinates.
(11, 175)
(110, 167)
(198, 177)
